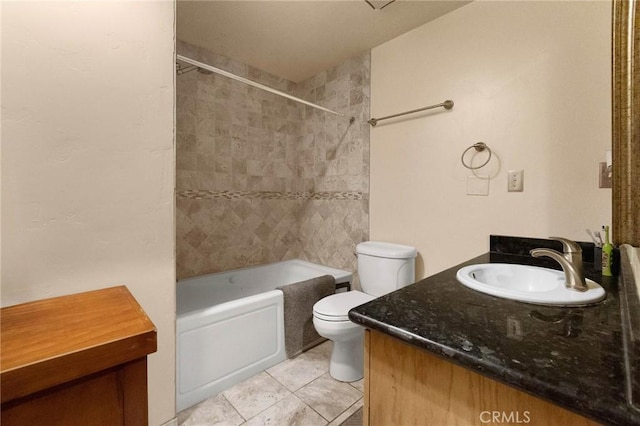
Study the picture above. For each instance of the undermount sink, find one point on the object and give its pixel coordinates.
(529, 284)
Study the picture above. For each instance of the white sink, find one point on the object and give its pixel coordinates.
(529, 284)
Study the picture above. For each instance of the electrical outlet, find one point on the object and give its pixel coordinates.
(515, 180)
(605, 176)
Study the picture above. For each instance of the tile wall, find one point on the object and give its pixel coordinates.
(261, 178)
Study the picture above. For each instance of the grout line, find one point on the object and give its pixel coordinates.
(314, 410)
(343, 411)
(347, 409)
(328, 420)
(279, 382)
(267, 408)
(233, 406)
(354, 386)
(300, 400)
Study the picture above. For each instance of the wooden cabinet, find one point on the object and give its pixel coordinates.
(408, 386)
(76, 360)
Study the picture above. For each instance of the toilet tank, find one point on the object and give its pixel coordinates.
(385, 267)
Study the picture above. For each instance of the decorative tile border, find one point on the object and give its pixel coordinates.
(203, 194)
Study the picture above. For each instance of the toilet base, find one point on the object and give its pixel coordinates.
(347, 359)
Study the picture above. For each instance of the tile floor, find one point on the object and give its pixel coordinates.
(298, 391)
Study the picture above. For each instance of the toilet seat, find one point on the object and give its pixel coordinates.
(336, 307)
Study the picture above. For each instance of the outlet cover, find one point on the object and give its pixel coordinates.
(478, 185)
(515, 180)
(605, 176)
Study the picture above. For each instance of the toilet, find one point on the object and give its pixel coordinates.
(383, 268)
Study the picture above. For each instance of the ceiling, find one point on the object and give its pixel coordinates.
(296, 39)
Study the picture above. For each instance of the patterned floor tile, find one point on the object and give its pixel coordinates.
(255, 394)
(323, 349)
(352, 416)
(289, 411)
(296, 372)
(213, 411)
(358, 385)
(328, 396)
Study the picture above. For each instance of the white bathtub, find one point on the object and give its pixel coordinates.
(230, 325)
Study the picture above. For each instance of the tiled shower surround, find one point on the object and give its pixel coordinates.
(261, 178)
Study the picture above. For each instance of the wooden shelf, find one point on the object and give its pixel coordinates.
(59, 342)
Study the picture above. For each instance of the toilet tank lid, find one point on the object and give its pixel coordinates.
(388, 250)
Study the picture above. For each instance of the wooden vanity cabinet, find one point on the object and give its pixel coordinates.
(408, 386)
(76, 360)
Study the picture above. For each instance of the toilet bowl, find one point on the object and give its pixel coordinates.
(331, 321)
(383, 268)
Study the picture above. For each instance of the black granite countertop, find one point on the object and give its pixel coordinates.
(573, 357)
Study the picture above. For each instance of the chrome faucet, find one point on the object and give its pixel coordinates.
(570, 260)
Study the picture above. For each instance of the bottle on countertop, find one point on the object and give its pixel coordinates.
(607, 253)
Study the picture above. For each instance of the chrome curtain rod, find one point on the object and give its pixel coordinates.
(448, 104)
(258, 85)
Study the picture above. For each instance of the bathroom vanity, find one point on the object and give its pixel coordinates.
(76, 360)
(437, 352)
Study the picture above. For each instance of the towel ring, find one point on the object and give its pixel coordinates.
(479, 147)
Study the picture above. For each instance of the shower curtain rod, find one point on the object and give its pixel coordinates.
(258, 85)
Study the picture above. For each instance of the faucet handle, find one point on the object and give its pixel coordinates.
(568, 246)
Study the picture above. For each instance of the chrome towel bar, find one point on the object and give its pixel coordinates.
(448, 104)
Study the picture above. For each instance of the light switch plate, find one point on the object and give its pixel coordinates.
(478, 185)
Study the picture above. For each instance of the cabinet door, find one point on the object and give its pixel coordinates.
(408, 386)
(117, 396)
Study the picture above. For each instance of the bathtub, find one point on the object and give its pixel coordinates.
(230, 325)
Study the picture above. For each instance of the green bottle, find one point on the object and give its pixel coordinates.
(607, 253)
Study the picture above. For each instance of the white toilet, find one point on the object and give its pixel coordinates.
(383, 268)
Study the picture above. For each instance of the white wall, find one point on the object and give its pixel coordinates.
(88, 160)
(532, 80)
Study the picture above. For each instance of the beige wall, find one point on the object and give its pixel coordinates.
(88, 161)
(532, 80)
